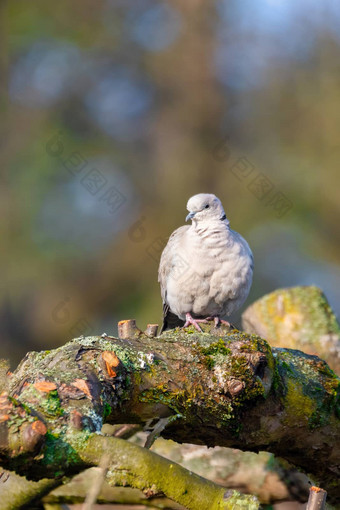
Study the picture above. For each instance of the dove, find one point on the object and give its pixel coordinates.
(206, 268)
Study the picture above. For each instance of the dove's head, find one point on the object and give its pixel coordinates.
(205, 207)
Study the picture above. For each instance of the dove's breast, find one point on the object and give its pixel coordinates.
(211, 275)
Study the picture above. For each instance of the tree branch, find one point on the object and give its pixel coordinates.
(17, 491)
(74, 492)
(297, 317)
(220, 387)
(133, 466)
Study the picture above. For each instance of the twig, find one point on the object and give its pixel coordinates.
(127, 329)
(151, 330)
(317, 499)
(97, 484)
(156, 431)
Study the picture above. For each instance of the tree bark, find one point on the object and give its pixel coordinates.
(16, 491)
(76, 490)
(222, 387)
(297, 317)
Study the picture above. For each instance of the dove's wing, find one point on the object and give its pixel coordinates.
(167, 264)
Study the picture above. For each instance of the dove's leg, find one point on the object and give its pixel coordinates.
(190, 320)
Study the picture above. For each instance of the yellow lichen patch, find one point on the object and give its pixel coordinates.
(298, 404)
(297, 318)
(291, 324)
(282, 314)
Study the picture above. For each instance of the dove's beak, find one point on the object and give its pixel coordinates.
(190, 216)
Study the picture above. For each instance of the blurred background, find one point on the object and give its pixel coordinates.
(113, 113)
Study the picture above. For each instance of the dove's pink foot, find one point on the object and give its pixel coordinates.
(218, 321)
(194, 322)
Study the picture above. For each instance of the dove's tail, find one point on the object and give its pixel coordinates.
(170, 320)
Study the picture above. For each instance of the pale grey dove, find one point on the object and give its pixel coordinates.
(206, 268)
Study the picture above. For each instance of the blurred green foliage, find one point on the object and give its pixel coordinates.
(159, 101)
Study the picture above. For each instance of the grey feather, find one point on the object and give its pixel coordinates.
(206, 268)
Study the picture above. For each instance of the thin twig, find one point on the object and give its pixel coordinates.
(92, 495)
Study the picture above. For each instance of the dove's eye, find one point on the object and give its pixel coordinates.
(206, 207)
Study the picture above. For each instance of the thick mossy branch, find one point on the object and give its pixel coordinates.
(75, 491)
(134, 466)
(297, 317)
(17, 492)
(219, 387)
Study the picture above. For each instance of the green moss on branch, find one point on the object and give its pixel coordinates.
(224, 387)
(138, 467)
